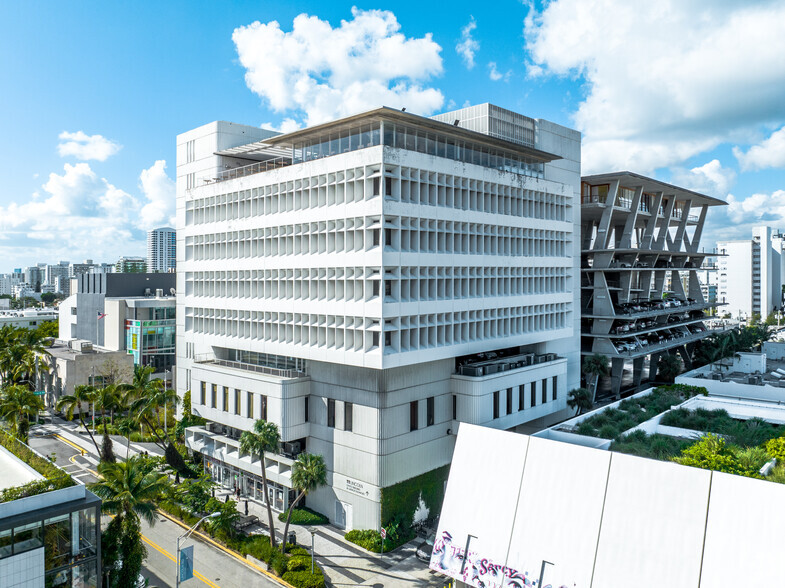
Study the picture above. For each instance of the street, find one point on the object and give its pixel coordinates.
(213, 567)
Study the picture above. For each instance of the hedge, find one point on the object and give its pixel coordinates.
(400, 500)
(305, 579)
(305, 516)
(55, 477)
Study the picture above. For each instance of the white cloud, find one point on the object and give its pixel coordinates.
(769, 153)
(80, 215)
(323, 72)
(496, 75)
(468, 46)
(159, 191)
(711, 179)
(86, 147)
(664, 80)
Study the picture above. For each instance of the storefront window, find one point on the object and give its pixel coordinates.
(5, 543)
(27, 537)
(57, 540)
(85, 575)
(86, 532)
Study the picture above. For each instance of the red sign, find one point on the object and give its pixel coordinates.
(384, 533)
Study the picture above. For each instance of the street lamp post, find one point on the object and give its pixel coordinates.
(185, 536)
(313, 532)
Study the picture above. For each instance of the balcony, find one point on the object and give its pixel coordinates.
(254, 168)
(259, 369)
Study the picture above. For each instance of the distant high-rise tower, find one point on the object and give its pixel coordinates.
(161, 250)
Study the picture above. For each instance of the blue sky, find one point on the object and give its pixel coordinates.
(95, 92)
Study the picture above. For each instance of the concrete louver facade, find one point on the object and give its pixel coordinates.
(637, 231)
(367, 284)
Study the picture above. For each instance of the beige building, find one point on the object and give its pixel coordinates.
(77, 362)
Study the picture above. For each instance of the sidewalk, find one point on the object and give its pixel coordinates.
(79, 437)
(347, 564)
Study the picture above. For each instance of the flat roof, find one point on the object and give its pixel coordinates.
(629, 179)
(387, 113)
(15, 471)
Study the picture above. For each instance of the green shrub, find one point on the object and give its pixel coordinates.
(367, 539)
(298, 563)
(305, 516)
(278, 563)
(712, 453)
(305, 579)
(652, 446)
(55, 477)
(297, 550)
(776, 448)
(400, 500)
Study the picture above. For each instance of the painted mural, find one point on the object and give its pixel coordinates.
(481, 572)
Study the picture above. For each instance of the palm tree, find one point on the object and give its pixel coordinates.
(17, 404)
(308, 473)
(82, 395)
(126, 427)
(265, 437)
(139, 393)
(127, 488)
(130, 492)
(580, 399)
(597, 366)
(163, 396)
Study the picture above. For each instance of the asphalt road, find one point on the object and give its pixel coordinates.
(213, 567)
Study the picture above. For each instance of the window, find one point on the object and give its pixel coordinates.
(388, 236)
(496, 404)
(73, 311)
(347, 416)
(214, 398)
(236, 401)
(509, 400)
(226, 399)
(521, 396)
(534, 394)
(429, 410)
(306, 407)
(331, 413)
(204, 394)
(454, 407)
(544, 390)
(264, 407)
(413, 410)
(249, 409)
(555, 387)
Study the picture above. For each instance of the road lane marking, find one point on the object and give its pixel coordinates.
(234, 554)
(165, 553)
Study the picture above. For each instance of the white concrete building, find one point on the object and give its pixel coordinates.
(161, 244)
(752, 273)
(8, 281)
(368, 283)
(29, 318)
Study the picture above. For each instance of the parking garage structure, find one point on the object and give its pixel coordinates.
(640, 259)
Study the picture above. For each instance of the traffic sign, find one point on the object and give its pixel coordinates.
(384, 533)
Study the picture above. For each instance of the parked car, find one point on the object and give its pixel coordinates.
(425, 549)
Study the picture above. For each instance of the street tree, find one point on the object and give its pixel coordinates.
(309, 472)
(18, 404)
(264, 437)
(74, 402)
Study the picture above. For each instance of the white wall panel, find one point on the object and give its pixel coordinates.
(652, 526)
(744, 533)
(557, 519)
(480, 482)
